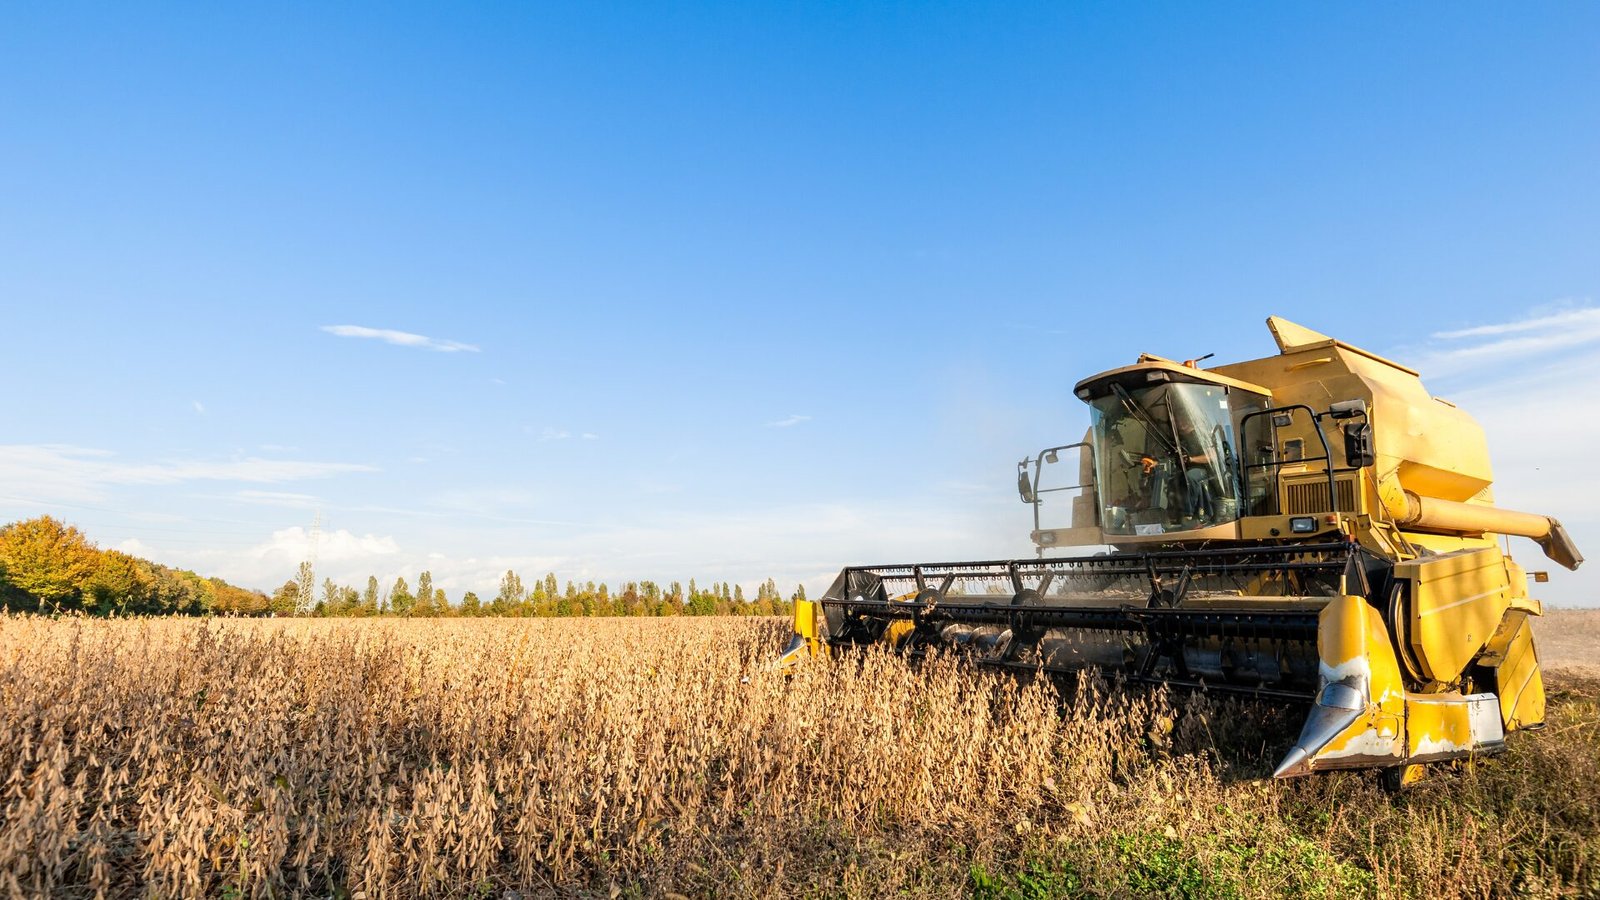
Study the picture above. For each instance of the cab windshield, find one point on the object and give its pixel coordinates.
(1165, 457)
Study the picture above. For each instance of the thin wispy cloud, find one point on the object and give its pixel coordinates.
(1547, 334)
(551, 433)
(789, 422)
(401, 338)
(1524, 380)
(199, 407)
(1581, 316)
(277, 498)
(805, 543)
(65, 472)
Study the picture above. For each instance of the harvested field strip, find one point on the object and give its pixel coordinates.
(468, 758)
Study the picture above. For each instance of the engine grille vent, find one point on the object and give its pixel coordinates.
(1310, 497)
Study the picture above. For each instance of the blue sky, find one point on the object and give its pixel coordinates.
(738, 290)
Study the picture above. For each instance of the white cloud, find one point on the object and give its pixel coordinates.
(136, 547)
(1522, 382)
(199, 407)
(63, 472)
(345, 557)
(794, 544)
(554, 434)
(459, 575)
(482, 500)
(1547, 333)
(291, 545)
(401, 338)
(1560, 318)
(788, 422)
(277, 498)
(798, 544)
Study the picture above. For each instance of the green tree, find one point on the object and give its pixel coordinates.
(470, 605)
(184, 591)
(422, 605)
(400, 597)
(703, 603)
(331, 596)
(425, 590)
(285, 600)
(510, 595)
(369, 598)
(568, 601)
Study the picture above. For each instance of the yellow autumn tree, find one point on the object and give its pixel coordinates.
(120, 583)
(237, 601)
(48, 562)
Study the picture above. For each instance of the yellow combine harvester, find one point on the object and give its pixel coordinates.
(1309, 526)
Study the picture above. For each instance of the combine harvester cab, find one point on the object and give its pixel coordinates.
(1309, 527)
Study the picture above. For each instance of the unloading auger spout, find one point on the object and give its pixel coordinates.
(1311, 527)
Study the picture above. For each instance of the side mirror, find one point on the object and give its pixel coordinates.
(1348, 409)
(1025, 486)
(1359, 451)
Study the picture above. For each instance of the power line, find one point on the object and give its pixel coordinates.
(206, 542)
(139, 526)
(53, 503)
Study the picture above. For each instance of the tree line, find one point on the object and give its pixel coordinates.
(544, 599)
(47, 566)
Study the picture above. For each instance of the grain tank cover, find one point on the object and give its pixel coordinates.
(1424, 444)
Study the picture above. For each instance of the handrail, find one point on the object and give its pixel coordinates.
(1038, 469)
(1326, 457)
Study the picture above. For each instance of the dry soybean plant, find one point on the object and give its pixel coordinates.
(184, 758)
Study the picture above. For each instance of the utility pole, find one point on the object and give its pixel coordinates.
(308, 569)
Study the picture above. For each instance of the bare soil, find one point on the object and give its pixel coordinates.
(1568, 640)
